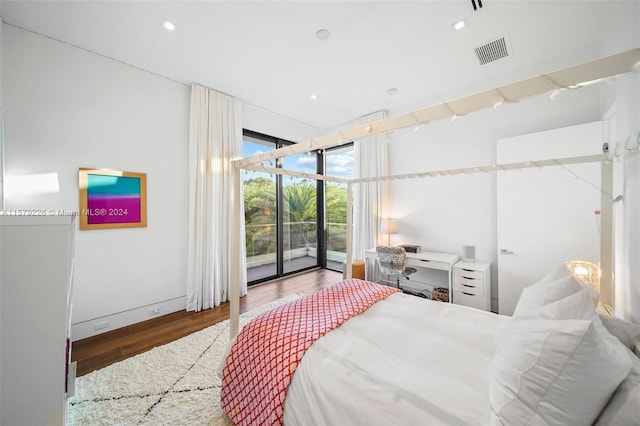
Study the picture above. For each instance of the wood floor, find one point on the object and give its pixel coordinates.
(100, 351)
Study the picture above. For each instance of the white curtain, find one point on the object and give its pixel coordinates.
(215, 139)
(369, 199)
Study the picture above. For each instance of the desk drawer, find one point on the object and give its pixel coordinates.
(468, 285)
(432, 264)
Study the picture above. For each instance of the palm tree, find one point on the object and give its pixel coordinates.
(336, 200)
(260, 209)
(300, 211)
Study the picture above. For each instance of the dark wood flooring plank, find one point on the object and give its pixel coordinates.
(105, 349)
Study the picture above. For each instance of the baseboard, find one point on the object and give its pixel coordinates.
(100, 325)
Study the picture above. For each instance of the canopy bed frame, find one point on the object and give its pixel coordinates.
(569, 78)
(365, 353)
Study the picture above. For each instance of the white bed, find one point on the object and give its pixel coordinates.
(411, 361)
(406, 359)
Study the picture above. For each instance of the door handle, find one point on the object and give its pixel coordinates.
(505, 251)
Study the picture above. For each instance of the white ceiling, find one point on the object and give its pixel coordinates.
(266, 53)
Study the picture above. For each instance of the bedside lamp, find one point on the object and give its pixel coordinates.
(585, 272)
(388, 226)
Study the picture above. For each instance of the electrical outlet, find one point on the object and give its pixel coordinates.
(100, 325)
(154, 311)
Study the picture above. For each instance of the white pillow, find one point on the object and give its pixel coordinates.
(627, 332)
(579, 305)
(553, 287)
(554, 372)
(624, 407)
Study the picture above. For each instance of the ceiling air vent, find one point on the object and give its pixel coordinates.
(477, 5)
(492, 51)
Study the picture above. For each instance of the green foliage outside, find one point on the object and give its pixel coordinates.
(299, 215)
(336, 200)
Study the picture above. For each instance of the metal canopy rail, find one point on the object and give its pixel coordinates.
(434, 173)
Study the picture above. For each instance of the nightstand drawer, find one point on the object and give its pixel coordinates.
(469, 285)
(474, 301)
(467, 273)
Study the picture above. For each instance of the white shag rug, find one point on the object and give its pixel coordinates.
(173, 384)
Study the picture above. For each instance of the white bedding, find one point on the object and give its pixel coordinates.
(404, 361)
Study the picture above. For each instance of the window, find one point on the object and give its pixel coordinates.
(338, 163)
(300, 214)
(260, 210)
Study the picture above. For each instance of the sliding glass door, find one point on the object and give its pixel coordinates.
(300, 215)
(338, 163)
(260, 209)
(281, 213)
(294, 223)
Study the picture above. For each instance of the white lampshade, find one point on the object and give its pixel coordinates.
(388, 226)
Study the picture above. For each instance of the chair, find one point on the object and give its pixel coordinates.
(391, 262)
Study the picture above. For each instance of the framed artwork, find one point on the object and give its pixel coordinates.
(112, 199)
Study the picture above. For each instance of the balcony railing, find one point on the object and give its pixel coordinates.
(261, 245)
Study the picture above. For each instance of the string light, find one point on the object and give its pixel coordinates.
(502, 100)
(455, 115)
(419, 123)
(558, 87)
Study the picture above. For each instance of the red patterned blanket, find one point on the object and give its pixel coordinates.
(267, 351)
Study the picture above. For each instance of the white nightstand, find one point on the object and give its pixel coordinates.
(472, 284)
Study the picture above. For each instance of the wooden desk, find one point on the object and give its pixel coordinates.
(434, 269)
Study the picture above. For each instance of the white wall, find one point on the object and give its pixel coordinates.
(268, 123)
(446, 212)
(68, 108)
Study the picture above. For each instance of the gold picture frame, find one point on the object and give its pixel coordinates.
(112, 199)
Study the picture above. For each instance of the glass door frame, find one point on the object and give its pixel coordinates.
(320, 234)
(325, 236)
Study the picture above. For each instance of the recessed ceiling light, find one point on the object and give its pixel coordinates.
(392, 91)
(313, 97)
(459, 25)
(322, 34)
(168, 25)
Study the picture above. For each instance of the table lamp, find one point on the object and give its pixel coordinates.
(388, 226)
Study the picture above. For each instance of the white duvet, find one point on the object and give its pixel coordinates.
(404, 361)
